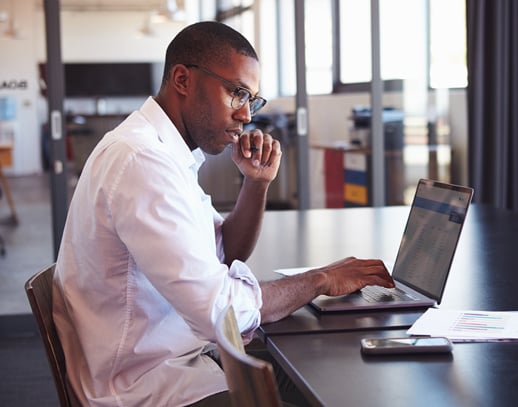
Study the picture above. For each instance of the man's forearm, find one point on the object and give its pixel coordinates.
(282, 297)
(242, 226)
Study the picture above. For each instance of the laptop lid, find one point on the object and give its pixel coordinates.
(425, 253)
(431, 236)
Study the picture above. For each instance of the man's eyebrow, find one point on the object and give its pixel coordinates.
(244, 85)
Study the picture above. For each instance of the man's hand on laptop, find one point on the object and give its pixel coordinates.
(351, 274)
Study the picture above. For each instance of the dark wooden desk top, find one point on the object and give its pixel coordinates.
(482, 274)
(316, 237)
(322, 352)
(331, 371)
(307, 320)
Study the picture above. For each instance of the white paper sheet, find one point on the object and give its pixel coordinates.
(297, 270)
(462, 326)
(294, 270)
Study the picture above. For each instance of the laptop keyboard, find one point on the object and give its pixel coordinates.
(376, 293)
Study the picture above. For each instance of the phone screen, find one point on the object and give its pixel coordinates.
(398, 342)
(406, 345)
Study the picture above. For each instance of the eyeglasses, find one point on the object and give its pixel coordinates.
(240, 95)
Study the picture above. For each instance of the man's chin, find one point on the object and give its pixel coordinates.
(215, 150)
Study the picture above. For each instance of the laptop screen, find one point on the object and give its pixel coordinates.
(430, 237)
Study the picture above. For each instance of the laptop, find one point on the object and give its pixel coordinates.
(425, 254)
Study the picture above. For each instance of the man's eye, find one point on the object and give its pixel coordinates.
(242, 94)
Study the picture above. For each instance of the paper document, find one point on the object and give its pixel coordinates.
(297, 270)
(294, 270)
(461, 326)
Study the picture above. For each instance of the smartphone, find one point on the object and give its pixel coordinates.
(409, 344)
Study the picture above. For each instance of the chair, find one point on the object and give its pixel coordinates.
(251, 381)
(39, 292)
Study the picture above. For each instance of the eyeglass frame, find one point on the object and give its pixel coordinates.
(235, 92)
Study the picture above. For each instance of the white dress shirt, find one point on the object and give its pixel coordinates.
(140, 278)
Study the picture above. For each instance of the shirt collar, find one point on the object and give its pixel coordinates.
(169, 135)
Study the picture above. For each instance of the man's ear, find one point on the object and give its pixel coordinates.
(179, 78)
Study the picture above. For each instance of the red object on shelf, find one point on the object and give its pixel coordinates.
(334, 178)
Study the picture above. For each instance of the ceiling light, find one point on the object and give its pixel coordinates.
(170, 11)
(146, 30)
(12, 31)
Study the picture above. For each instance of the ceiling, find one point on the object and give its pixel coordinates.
(118, 5)
(155, 11)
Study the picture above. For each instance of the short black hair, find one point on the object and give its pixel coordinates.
(205, 43)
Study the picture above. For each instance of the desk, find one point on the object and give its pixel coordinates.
(318, 237)
(306, 320)
(307, 344)
(330, 370)
(483, 273)
(482, 269)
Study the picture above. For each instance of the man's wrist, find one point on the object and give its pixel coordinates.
(319, 280)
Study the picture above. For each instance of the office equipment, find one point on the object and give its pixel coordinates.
(251, 381)
(101, 80)
(347, 169)
(39, 292)
(425, 253)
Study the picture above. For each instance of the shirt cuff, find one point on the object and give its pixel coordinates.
(248, 301)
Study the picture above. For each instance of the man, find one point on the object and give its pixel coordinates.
(146, 264)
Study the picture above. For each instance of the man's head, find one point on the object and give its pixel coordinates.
(210, 84)
(205, 44)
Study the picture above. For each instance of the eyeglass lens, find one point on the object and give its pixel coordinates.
(242, 96)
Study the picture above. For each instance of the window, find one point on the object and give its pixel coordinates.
(422, 40)
(448, 56)
(287, 69)
(319, 49)
(238, 14)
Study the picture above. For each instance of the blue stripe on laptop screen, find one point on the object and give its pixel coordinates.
(456, 213)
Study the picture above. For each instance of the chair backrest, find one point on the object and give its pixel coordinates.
(39, 292)
(251, 381)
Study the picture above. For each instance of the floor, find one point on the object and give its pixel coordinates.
(28, 244)
(25, 377)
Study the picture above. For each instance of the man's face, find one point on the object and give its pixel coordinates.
(212, 123)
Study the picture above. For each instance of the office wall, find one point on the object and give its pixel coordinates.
(19, 81)
(86, 36)
(114, 37)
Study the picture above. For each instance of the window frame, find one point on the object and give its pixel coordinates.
(388, 84)
(337, 86)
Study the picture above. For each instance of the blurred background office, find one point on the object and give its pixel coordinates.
(366, 97)
(356, 90)
(422, 57)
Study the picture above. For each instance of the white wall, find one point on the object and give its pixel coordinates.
(112, 37)
(86, 36)
(19, 80)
